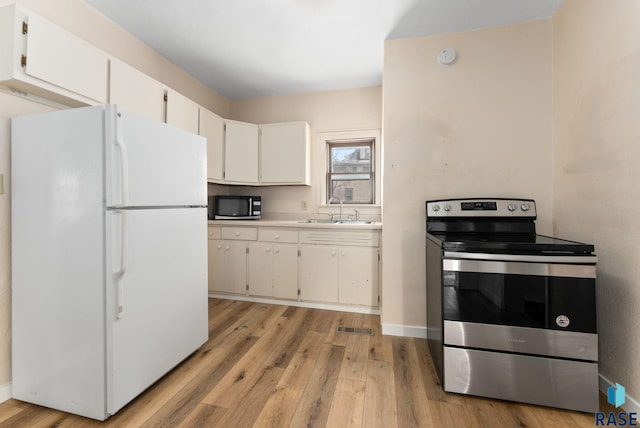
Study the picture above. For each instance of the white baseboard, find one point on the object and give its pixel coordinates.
(327, 306)
(404, 330)
(630, 405)
(5, 392)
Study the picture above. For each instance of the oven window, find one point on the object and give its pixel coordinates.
(520, 300)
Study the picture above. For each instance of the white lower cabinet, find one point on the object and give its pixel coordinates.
(345, 272)
(335, 267)
(273, 264)
(228, 260)
(319, 273)
(229, 266)
(347, 275)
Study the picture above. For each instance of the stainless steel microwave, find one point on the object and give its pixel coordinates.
(231, 207)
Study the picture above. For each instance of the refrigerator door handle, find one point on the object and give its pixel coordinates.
(119, 275)
(125, 162)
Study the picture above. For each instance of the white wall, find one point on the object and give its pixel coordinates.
(597, 157)
(479, 127)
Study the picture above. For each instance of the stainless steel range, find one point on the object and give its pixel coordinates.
(510, 314)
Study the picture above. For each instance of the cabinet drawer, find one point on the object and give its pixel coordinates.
(242, 233)
(213, 232)
(278, 235)
(343, 237)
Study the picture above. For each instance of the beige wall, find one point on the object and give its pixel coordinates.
(596, 164)
(79, 18)
(479, 127)
(347, 110)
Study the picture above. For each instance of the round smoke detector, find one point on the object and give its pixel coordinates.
(447, 56)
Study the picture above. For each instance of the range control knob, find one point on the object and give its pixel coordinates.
(512, 207)
(447, 207)
(524, 207)
(436, 208)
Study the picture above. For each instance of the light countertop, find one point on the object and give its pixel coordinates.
(299, 224)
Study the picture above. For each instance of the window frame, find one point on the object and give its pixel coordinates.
(320, 173)
(360, 142)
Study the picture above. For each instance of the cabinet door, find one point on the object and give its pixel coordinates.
(135, 91)
(284, 153)
(62, 59)
(285, 271)
(241, 152)
(260, 269)
(181, 111)
(319, 273)
(358, 276)
(212, 128)
(216, 266)
(230, 267)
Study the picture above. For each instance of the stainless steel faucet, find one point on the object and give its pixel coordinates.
(339, 200)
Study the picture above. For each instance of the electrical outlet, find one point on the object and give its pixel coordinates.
(303, 205)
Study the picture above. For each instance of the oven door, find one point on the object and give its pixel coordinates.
(539, 305)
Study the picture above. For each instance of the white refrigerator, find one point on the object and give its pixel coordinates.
(109, 256)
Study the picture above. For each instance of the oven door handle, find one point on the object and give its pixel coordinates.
(564, 259)
(520, 268)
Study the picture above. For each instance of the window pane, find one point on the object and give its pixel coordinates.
(356, 191)
(351, 159)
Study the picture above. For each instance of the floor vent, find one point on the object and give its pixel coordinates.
(354, 330)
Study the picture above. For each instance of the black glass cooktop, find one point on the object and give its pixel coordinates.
(512, 244)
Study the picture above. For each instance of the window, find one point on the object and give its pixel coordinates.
(350, 171)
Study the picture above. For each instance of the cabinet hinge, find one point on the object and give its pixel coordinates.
(225, 127)
(166, 98)
(246, 287)
(298, 292)
(23, 61)
(299, 254)
(247, 250)
(378, 300)
(25, 27)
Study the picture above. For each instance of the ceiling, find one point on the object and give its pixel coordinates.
(248, 48)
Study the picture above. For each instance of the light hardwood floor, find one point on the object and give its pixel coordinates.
(279, 366)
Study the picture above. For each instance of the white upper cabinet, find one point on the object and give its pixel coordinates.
(135, 91)
(212, 128)
(241, 152)
(181, 111)
(40, 58)
(285, 153)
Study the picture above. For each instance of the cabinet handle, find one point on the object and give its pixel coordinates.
(277, 250)
(277, 236)
(219, 246)
(226, 248)
(333, 252)
(342, 253)
(268, 249)
(237, 233)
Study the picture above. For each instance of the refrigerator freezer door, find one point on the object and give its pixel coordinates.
(152, 164)
(164, 296)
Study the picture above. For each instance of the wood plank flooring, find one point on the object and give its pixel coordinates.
(279, 366)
